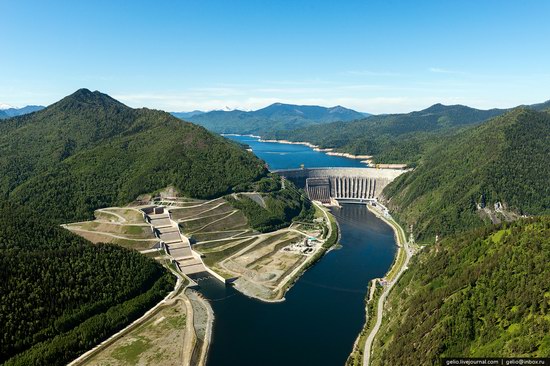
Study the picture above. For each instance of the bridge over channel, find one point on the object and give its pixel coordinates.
(342, 184)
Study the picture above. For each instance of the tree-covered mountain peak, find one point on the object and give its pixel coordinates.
(439, 108)
(277, 116)
(89, 150)
(476, 175)
(85, 97)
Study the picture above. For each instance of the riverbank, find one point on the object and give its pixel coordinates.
(337, 281)
(366, 159)
(254, 291)
(203, 321)
(363, 159)
(168, 311)
(378, 291)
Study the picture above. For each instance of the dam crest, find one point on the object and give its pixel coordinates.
(344, 185)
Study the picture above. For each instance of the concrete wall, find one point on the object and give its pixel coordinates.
(322, 184)
(341, 172)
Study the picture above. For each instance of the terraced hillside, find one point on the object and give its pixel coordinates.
(263, 263)
(122, 226)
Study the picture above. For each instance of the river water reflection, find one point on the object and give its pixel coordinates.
(323, 312)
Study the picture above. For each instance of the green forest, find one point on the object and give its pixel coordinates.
(396, 138)
(89, 151)
(60, 295)
(282, 206)
(392, 138)
(506, 159)
(483, 293)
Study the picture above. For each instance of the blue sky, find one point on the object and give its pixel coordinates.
(374, 56)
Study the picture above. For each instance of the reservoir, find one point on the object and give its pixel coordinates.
(324, 311)
(289, 156)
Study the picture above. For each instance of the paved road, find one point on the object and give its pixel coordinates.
(130, 327)
(70, 228)
(380, 308)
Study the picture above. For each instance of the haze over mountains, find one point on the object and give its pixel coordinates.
(14, 112)
(277, 116)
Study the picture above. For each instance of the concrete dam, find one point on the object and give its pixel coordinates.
(342, 184)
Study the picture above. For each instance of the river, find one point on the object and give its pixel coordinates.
(324, 311)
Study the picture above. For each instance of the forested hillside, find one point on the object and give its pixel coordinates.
(275, 117)
(393, 138)
(60, 295)
(485, 293)
(89, 151)
(504, 160)
(281, 206)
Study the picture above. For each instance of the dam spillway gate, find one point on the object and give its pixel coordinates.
(342, 184)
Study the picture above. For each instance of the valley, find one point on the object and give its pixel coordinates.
(256, 183)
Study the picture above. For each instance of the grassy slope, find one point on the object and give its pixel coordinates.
(484, 293)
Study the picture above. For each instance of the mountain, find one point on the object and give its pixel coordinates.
(540, 106)
(492, 172)
(186, 115)
(61, 294)
(282, 112)
(4, 115)
(277, 116)
(392, 138)
(483, 293)
(89, 151)
(13, 112)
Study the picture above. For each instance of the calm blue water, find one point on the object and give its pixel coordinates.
(289, 156)
(323, 312)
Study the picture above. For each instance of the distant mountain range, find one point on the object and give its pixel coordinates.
(277, 116)
(186, 115)
(14, 112)
(394, 138)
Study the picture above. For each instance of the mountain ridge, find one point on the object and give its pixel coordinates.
(503, 161)
(14, 112)
(89, 150)
(395, 138)
(270, 118)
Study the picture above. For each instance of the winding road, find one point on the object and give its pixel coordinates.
(380, 308)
